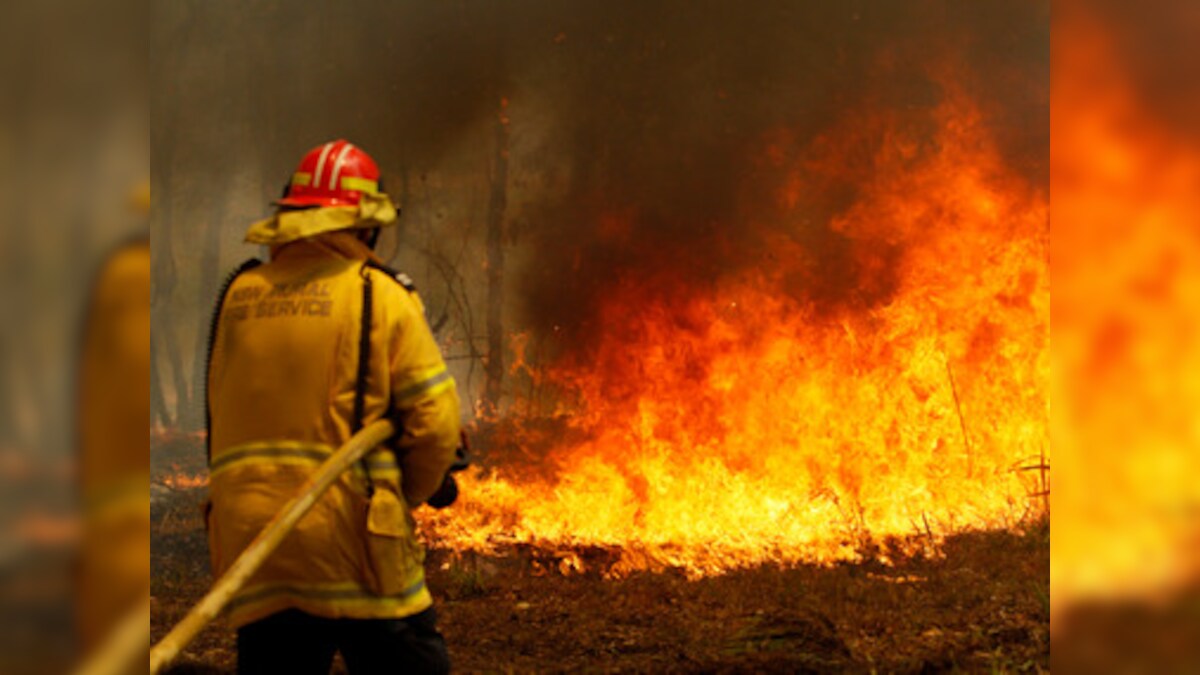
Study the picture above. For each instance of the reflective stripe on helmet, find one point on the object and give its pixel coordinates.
(321, 162)
(304, 179)
(360, 184)
(337, 165)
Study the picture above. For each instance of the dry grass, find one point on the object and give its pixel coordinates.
(982, 607)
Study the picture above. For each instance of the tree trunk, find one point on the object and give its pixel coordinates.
(494, 369)
(164, 317)
(158, 403)
(208, 285)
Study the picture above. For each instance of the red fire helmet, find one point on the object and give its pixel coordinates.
(336, 173)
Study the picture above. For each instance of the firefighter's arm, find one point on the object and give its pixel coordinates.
(424, 400)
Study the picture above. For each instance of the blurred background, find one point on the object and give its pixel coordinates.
(74, 145)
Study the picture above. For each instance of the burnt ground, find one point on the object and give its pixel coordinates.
(981, 607)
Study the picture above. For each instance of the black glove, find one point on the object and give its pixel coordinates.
(448, 492)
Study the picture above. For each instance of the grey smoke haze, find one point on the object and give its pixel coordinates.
(652, 110)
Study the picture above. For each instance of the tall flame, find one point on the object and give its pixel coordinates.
(735, 423)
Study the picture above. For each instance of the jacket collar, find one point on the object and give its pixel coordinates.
(342, 244)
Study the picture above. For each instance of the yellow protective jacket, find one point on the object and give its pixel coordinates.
(282, 382)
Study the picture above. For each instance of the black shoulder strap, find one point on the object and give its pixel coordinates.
(364, 353)
(212, 340)
(400, 277)
(364, 366)
(364, 340)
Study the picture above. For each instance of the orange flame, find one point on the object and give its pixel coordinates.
(179, 480)
(738, 424)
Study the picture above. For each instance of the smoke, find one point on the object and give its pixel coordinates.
(672, 124)
(646, 138)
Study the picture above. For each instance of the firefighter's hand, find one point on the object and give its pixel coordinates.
(446, 494)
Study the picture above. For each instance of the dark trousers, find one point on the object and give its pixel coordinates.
(296, 643)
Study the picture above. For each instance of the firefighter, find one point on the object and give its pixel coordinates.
(304, 350)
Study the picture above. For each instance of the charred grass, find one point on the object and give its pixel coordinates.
(982, 606)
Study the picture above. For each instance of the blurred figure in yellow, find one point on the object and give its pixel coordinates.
(113, 418)
(304, 351)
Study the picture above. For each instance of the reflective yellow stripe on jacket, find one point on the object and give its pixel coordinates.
(430, 383)
(349, 600)
(380, 462)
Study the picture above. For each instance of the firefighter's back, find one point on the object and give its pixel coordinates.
(282, 383)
